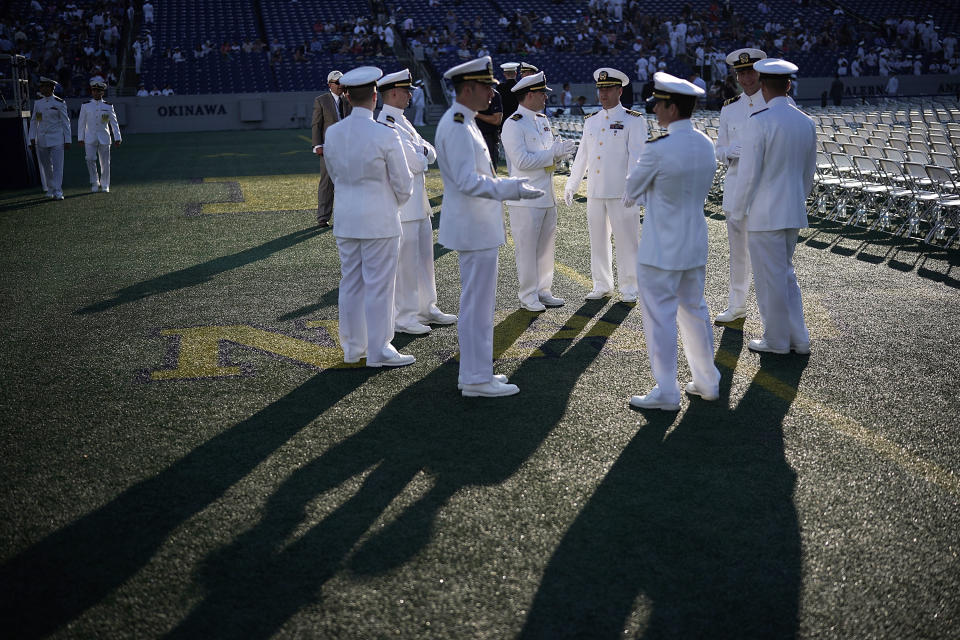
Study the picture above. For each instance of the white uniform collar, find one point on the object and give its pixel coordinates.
(467, 111)
(679, 125)
(362, 112)
(612, 109)
(526, 110)
(779, 99)
(393, 111)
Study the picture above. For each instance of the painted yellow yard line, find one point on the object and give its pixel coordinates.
(894, 452)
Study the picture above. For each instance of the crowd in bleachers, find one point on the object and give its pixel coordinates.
(68, 41)
(245, 45)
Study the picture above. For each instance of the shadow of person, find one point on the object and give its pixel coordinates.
(262, 578)
(57, 579)
(199, 273)
(693, 532)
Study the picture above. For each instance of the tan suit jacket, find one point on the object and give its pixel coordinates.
(325, 114)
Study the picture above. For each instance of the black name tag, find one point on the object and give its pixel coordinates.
(616, 125)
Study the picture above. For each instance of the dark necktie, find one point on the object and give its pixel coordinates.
(340, 108)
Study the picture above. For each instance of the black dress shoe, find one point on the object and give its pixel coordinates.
(323, 223)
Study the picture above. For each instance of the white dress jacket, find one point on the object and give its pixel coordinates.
(371, 180)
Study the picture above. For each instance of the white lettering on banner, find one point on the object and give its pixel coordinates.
(192, 110)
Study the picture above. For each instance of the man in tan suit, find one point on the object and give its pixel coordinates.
(328, 108)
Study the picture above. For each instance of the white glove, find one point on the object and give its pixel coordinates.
(627, 201)
(568, 197)
(564, 148)
(733, 151)
(530, 193)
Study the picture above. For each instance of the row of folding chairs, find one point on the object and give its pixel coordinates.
(902, 197)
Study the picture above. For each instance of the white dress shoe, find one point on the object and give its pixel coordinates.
(105, 189)
(48, 194)
(354, 359)
(653, 400)
(731, 314)
(399, 360)
(551, 300)
(534, 306)
(58, 196)
(596, 295)
(628, 298)
(438, 317)
(499, 377)
(761, 345)
(414, 329)
(802, 348)
(693, 390)
(94, 188)
(492, 389)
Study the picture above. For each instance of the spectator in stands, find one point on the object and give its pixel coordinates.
(577, 108)
(148, 12)
(836, 91)
(155, 91)
(893, 86)
(328, 108)
(167, 90)
(142, 91)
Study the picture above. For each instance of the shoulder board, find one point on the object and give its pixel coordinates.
(391, 119)
(516, 116)
(635, 114)
(732, 100)
(458, 117)
(541, 115)
(590, 115)
(666, 135)
(386, 124)
(761, 111)
(58, 99)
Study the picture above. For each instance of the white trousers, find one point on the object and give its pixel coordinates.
(93, 151)
(778, 294)
(368, 270)
(51, 164)
(740, 270)
(478, 296)
(418, 117)
(604, 215)
(534, 233)
(669, 298)
(416, 297)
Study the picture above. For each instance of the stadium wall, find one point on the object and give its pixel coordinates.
(242, 111)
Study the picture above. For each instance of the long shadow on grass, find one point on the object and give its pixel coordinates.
(73, 569)
(200, 273)
(693, 532)
(258, 582)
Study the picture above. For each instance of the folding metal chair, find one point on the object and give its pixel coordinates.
(898, 143)
(923, 201)
(899, 197)
(848, 191)
(947, 207)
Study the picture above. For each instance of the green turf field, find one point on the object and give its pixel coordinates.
(185, 455)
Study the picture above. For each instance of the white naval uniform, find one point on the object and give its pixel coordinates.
(528, 144)
(50, 129)
(94, 127)
(674, 174)
(471, 223)
(611, 143)
(416, 294)
(777, 165)
(366, 163)
(734, 117)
